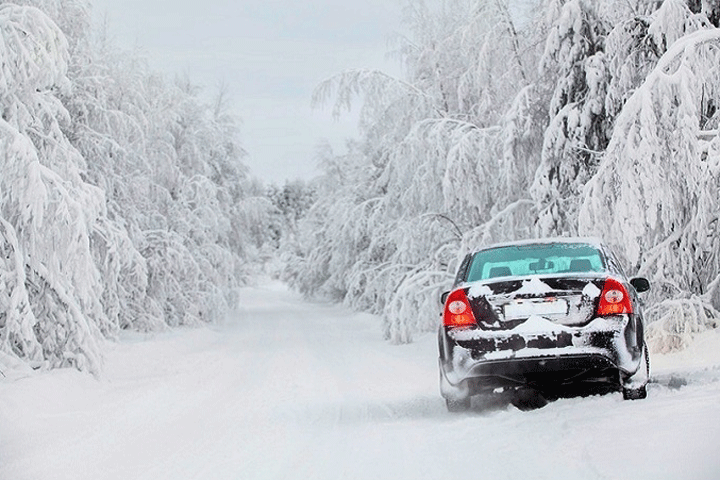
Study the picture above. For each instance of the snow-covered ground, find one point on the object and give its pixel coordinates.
(287, 389)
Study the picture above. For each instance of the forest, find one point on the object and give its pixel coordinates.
(124, 200)
(557, 118)
(125, 203)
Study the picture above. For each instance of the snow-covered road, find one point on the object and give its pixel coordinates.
(293, 390)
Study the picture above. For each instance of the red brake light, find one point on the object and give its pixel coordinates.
(458, 312)
(614, 299)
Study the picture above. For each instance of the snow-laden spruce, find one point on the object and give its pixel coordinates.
(575, 62)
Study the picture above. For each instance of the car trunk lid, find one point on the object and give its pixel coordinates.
(505, 304)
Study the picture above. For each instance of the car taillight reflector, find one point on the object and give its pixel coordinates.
(614, 299)
(457, 307)
(458, 312)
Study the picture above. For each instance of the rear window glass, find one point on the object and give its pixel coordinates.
(534, 259)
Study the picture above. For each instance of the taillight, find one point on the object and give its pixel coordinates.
(614, 299)
(458, 312)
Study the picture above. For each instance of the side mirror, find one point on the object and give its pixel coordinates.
(640, 284)
(443, 297)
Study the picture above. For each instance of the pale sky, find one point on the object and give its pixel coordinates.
(271, 54)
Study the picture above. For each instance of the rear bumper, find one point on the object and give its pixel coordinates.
(601, 353)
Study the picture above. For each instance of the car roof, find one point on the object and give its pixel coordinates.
(593, 241)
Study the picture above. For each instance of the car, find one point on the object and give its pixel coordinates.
(540, 320)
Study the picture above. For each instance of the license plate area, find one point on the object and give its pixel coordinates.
(524, 308)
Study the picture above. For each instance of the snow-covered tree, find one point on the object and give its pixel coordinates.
(188, 210)
(48, 211)
(610, 130)
(425, 172)
(291, 203)
(655, 193)
(124, 203)
(575, 63)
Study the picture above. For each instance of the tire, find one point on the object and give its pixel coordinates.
(639, 392)
(458, 406)
(635, 393)
(526, 399)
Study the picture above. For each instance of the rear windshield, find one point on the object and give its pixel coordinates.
(535, 259)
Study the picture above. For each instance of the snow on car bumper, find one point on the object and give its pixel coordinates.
(551, 354)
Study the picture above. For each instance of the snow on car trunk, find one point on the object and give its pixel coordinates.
(564, 299)
(292, 390)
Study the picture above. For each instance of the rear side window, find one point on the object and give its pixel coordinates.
(535, 259)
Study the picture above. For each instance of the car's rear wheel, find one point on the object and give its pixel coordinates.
(635, 388)
(526, 399)
(456, 406)
(635, 393)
